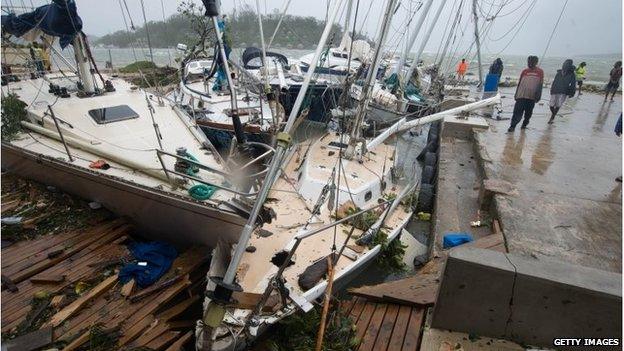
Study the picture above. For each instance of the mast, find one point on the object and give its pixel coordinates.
(345, 34)
(370, 78)
(421, 48)
(215, 311)
(213, 12)
(478, 42)
(82, 64)
(412, 38)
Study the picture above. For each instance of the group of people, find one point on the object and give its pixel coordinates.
(530, 85)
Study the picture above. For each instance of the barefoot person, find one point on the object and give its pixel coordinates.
(563, 85)
(528, 92)
(462, 67)
(614, 80)
(580, 76)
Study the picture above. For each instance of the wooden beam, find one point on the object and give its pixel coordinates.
(78, 304)
(31, 341)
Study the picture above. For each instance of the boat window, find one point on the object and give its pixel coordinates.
(368, 195)
(112, 114)
(345, 56)
(336, 54)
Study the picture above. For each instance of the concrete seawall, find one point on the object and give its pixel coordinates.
(527, 300)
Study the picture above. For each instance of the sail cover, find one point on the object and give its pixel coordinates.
(59, 19)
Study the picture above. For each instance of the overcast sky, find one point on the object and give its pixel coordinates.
(586, 27)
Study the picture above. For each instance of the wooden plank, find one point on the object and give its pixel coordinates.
(416, 290)
(155, 288)
(79, 341)
(177, 309)
(347, 305)
(368, 341)
(400, 327)
(78, 304)
(128, 288)
(16, 308)
(163, 340)
(43, 265)
(412, 335)
(8, 284)
(385, 331)
(48, 279)
(179, 344)
(362, 322)
(357, 309)
(31, 341)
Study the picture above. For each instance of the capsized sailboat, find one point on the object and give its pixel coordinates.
(106, 140)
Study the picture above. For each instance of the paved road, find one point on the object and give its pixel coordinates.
(569, 205)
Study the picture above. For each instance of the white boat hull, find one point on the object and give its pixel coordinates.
(163, 215)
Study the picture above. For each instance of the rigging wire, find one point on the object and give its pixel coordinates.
(162, 6)
(123, 15)
(554, 29)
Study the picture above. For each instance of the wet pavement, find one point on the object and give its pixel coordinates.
(568, 204)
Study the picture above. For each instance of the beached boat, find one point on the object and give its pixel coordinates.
(108, 141)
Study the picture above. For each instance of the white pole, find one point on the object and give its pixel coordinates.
(412, 38)
(82, 65)
(370, 77)
(421, 48)
(478, 42)
(403, 124)
(294, 112)
(230, 274)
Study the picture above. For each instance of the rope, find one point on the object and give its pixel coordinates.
(123, 15)
(201, 191)
(555, 28)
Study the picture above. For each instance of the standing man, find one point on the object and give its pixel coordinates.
(580, 75)
(461, 69)
(618, 132)
(563, 85)
(614, 80)
(528, 92)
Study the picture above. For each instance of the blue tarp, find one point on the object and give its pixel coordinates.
(455, 239)
(158, 255)
(59, 19)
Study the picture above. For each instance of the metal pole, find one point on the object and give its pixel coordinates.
(478, 42)
(238, 127)
(58, 128)
(283, 140)
(370, 77)
(412, 38)
(149, 43)
(421, 48)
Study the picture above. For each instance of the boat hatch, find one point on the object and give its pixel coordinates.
(338, 145)
(112, 114)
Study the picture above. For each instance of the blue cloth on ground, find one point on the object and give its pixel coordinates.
(455, 239)
(158, 255)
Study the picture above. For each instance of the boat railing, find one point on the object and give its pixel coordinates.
(225, 175)
(276, 279)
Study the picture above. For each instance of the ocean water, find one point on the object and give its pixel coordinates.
(598, 66)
